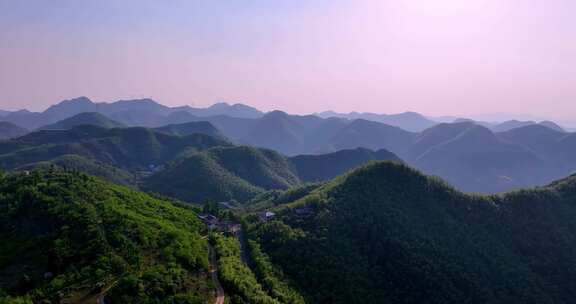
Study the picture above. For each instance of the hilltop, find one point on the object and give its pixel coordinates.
(386, 233)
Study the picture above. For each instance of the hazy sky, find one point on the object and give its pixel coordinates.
(438, 57)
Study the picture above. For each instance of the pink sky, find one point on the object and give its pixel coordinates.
(437, 57)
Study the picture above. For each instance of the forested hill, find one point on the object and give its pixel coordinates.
(128, 148)
(70, 238)
(240, 172)
(387, 234)
(179, 160)
(315, 168)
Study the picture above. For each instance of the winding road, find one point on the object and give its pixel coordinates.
(214, 274)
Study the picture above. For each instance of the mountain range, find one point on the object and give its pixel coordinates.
(410, 121)
(138, 112)
(473, 156)
(191, 161)
(470, 156)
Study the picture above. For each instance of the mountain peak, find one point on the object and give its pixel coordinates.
(238, 110)
(140, 100)
(552, 125)
(276, 114)
(220, 105)
(81, 101)
(477, 133)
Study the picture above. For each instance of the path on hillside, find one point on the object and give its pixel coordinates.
(214, 274)
(244, 248)
(100, 299)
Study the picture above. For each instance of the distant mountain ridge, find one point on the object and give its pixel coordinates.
(149, 113)
(222, 108)
(477, 158)
(193, 127)
(241, 173)
(85, 118)
(410, 121)
(9, 130)
(514, 124)
(137, 112)
(474, 156)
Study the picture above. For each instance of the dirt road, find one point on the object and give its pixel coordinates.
(214, 274)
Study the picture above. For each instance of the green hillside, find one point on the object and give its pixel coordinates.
(67, 237)
(241, 173)
(387, 234)
(129, 148)
(261, 167)
(224, 173)
(200, 178)
(88, 166)
(195, 167)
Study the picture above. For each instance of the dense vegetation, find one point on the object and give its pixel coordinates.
(238, 280)
(274, 198)
(387, 234)
(224, 173)
(69, 237)
(241, 173)
(88, 166)
(132, 149)
(198, 178)
(272, 279)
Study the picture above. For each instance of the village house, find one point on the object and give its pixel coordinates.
(209, 220)
(267, 216)
(213, 223)
(230, 227)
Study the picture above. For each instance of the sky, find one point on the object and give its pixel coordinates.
(437, 57)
